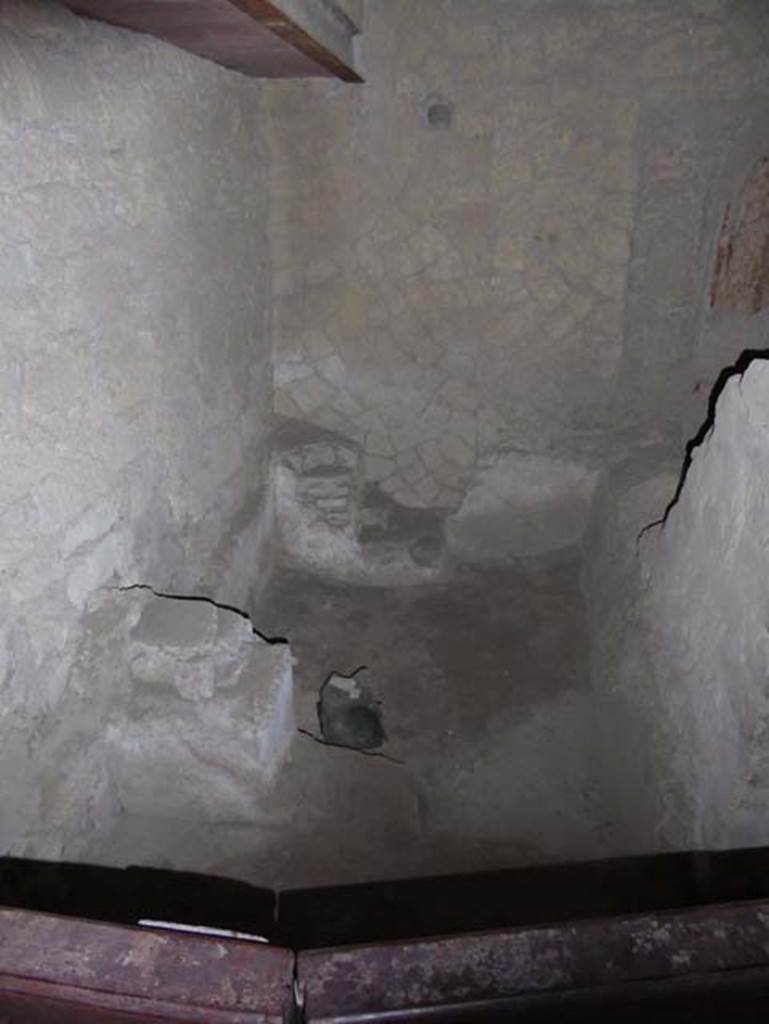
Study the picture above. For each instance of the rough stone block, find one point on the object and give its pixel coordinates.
(133, 381)
(209, 716)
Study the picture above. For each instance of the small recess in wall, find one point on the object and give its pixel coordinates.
(438, 111)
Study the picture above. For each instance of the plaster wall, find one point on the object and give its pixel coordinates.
(492, 247)
(485, 276)
(673, 633)
(634, 746)
(135, 378)
(680, 637)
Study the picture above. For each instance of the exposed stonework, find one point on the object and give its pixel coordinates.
(328, 524)
(317, 497)
(177, 708)
(326, 471)
(205, 715)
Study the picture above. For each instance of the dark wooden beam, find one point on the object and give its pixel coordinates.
(260, 38)
(276, 20)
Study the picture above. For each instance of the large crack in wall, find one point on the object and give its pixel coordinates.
(680, 635)
(738, 369)
(203, 599)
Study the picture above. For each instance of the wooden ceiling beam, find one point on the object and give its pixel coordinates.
(261, 38)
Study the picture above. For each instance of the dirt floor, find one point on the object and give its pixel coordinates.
(489, 723)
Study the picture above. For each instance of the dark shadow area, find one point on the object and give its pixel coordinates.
(414, 908)
(128, 895)
(394, 910)
(734, 996)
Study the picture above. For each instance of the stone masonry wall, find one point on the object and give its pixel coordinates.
(494, 245)
(134, 374)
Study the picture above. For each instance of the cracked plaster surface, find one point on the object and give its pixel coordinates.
(134, 371)
(445, 293)
(675, 577)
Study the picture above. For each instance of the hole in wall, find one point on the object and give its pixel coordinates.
(348, 713)
(438, 111)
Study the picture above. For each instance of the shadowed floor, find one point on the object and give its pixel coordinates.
(489, 722)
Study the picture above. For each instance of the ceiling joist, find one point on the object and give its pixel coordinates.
(261, 38)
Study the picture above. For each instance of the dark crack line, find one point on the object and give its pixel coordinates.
(270, 640)
(737, 369)
(353, 750)
(274, 640)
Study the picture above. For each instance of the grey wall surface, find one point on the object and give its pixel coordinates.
(680, 636)
(135, 377)
(676, 659)
(526, 278)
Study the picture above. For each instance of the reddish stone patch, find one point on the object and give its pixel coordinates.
(741, 273)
